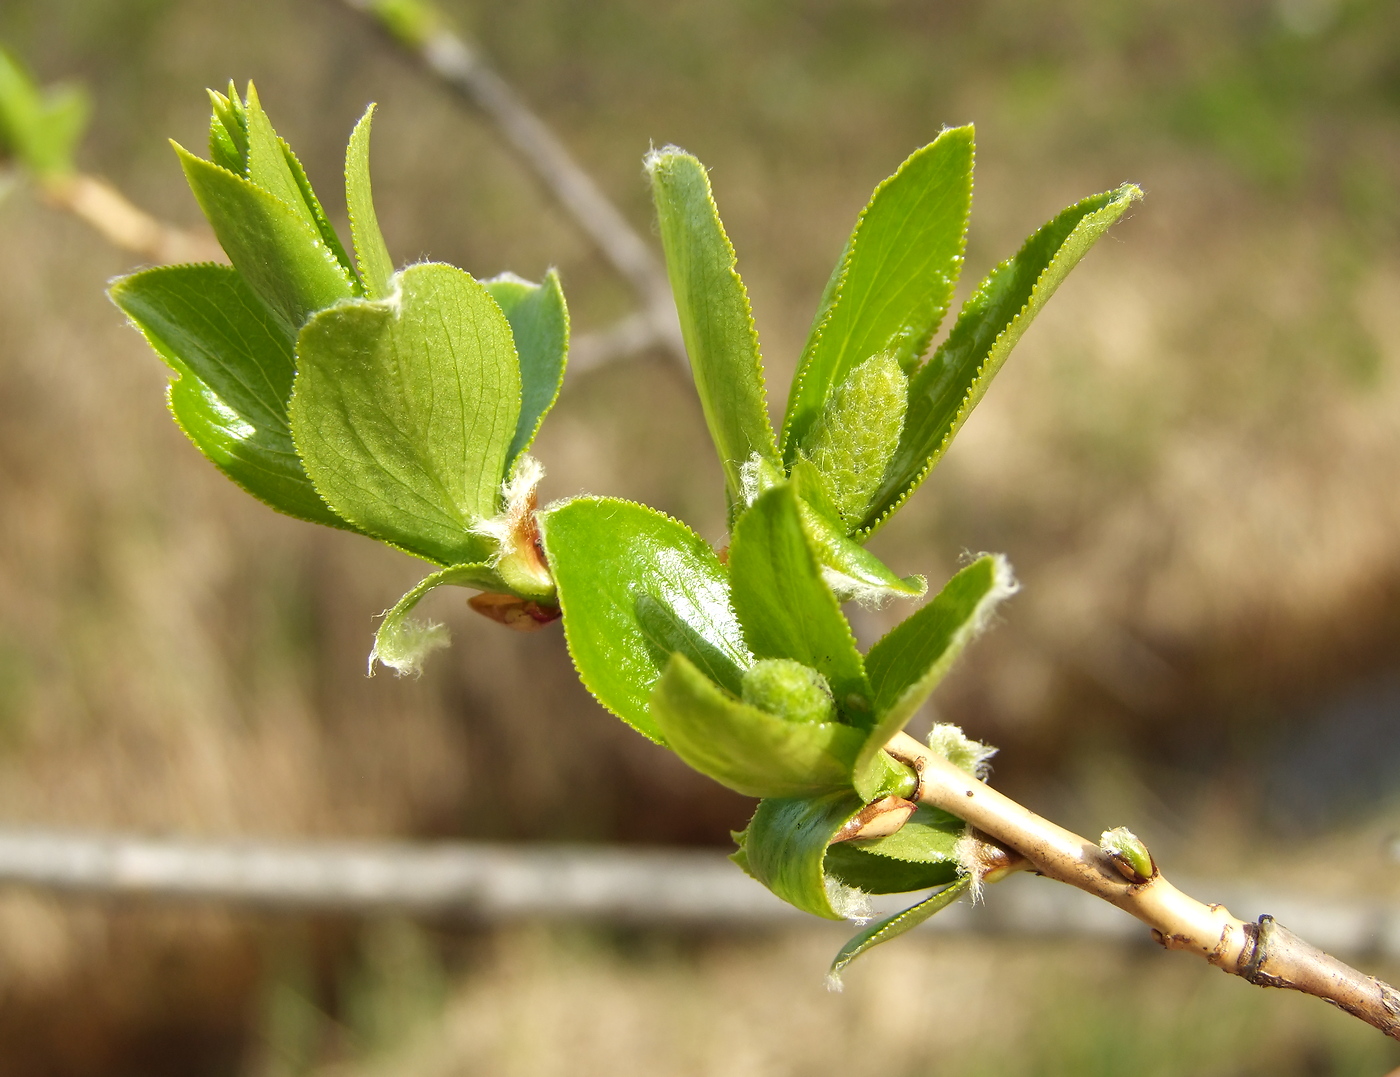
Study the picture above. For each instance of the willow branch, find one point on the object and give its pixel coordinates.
(1264, 953)
(125, 225)
(419, 29)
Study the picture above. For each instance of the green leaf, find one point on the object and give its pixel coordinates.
(371, 252)
(907, 664)
(278, 253)
(403, 409)
(894, 926)
(784, 848)
(40, 128)
(402, 642)
(895, 278)
(228, 131)
(714, 312)
(873, 874)
(235, 367)
(784, 604)
(945, 391)
(856, 434)
(637, 587)
(744, 748)
(539, 321)
(850, 570)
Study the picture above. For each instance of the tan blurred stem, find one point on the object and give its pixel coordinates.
(126, 225)
(1264, 953)
(447, 56)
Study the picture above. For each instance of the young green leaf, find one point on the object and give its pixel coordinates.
(714, 311)
(746, 749)
(228, 131)
(784, 847)
(403, 642)
(281, 257)
(945, 391)
(371, 252)
(873, 874)
(850, 570)
(894, 926)
(895, 278)
(40, 128)
(539, 321)
(906, 665)
(637, 587)
(235, 365)
(784, 604)
(856, 433)
(403, 410)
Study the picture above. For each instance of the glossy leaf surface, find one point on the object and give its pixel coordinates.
(784, 604)
(371, 252)
(895, 279)
(784, 848)
(235, 365)
(637, 587)
(747, 749)
(403, 410)
(944, 392)
(907, 664)
(279, 254)
(714, 312)
(894, 926)
(539, 322)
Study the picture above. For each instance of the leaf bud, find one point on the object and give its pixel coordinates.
(1129, 854)
(789, 690)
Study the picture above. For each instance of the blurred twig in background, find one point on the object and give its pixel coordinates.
(423, 31)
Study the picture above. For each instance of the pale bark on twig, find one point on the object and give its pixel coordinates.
(1263, 953)
(127, 226)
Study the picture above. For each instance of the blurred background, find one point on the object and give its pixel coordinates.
(1191, 460)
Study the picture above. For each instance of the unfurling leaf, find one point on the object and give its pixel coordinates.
(404, 408)
(944, 392)
(784, 848)
(892, 927)
(894, 281)
(235, 365)
(749, 750)
(714, 312)
(637, 587)
(371, 253)
(404, 642)
(539, 322)
(784, 604)
(906, 664)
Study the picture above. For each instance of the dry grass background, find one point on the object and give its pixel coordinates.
(1190, 460)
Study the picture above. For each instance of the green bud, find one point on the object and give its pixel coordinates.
(1129, 854)
(412, 22)
(790, 690)
(857, 432)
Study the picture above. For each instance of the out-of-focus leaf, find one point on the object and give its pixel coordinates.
(637, 587)
(539, 321)
(895, 278)
(944, 392)
(857, 432)
(371, 252)
(40, 128)
(784, 604)
(402, 642)
(235, 365)
(906, 664)
(894, 926)
(744, 748)
(403, 409)
(714, 312)
(279, 254)
(784, 848)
